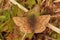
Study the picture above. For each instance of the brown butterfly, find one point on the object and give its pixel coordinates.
(38, 27)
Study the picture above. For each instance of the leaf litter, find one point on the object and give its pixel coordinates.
(16, 28)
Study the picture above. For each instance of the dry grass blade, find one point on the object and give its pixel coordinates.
(20, 6)
(23, 36)
(56, 15)
(57, 10)
(53, 28)
(47, 37)
(57, 1)
(43, 2)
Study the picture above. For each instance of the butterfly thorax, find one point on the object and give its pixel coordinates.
(32, 20)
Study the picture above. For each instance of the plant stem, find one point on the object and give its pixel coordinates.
(47, 37)
(23, 36)
(56, 15)
(19, 5)
(57, 1)
(53, 28)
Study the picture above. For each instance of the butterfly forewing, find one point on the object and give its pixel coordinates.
(41, 22)
(22, 22)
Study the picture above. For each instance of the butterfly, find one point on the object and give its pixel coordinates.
(38, 26)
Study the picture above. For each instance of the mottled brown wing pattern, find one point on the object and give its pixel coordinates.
(22, 22)
(39, 25)
(41, 22)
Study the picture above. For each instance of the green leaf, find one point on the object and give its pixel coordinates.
(2, 26)
(7, 14)
(0, 11)
(31, 3)
(11, 25)
(29, 35)
(39, 1)
(16, 11)
(58, 37)
(35, 11)
(2, 17)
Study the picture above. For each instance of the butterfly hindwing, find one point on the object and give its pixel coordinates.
(22, 22)
(41, 22)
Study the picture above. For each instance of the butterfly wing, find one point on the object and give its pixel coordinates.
(41, 22)
(22, 22)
